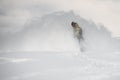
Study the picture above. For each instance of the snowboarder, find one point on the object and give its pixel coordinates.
(77, 31)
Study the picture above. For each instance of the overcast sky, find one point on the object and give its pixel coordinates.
(15, 13)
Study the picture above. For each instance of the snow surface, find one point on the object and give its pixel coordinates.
(47, 50)
(57, 66)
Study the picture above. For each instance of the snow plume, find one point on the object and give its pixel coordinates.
(53, 32)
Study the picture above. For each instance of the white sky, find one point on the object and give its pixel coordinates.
(14, 13)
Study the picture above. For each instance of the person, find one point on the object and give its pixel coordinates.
(78, 33)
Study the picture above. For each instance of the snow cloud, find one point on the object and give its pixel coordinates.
(15, 13)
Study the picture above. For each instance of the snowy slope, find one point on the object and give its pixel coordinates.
(56, 66)
(45, 49)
